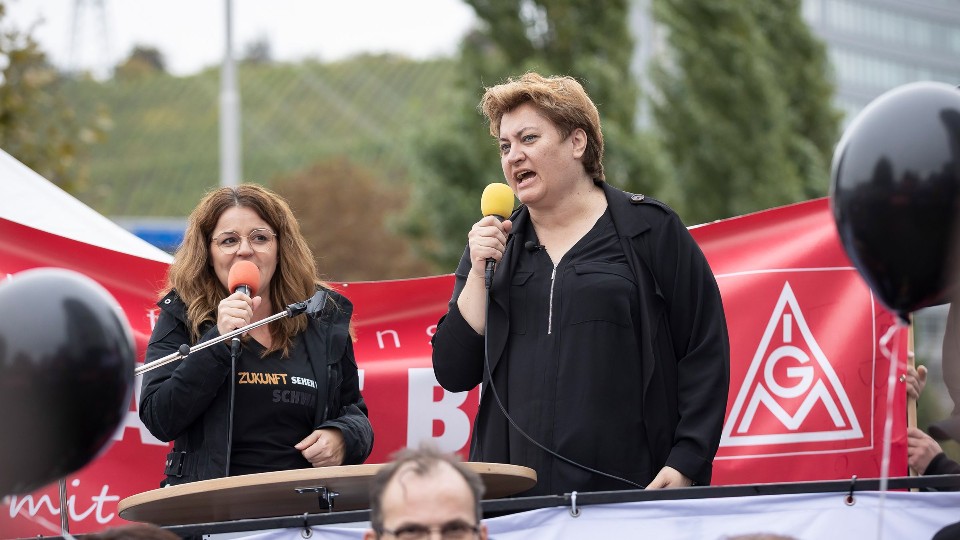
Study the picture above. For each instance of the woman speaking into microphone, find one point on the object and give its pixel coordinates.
(603, 346)
(288, 397)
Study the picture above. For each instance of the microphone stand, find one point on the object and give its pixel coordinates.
(234, 353)
(312, 307)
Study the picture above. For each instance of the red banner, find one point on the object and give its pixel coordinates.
(811, 351)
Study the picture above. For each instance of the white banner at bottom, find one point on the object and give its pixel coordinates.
(812, 516)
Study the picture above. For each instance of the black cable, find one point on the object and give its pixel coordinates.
(234, 352)
(496, 397)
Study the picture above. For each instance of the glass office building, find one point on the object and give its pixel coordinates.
(876, 45)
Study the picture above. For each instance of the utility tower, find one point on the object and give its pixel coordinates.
(90, 40)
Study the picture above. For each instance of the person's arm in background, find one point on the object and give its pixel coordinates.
(926, 457)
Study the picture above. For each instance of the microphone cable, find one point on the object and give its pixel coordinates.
(234, 353)
(496, 397)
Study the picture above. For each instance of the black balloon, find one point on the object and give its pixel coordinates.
(895, 194)
(66, 373)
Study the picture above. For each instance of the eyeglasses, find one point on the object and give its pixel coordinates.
(454, 530)
(259, 240)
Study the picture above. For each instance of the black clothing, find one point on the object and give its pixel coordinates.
(941, 464)
(644, 384)
(580, 311)
(275, 402)
(950, 532)
(187, 401)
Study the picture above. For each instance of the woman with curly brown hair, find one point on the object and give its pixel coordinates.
(297, 399)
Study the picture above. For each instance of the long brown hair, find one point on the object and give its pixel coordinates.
(192, 274)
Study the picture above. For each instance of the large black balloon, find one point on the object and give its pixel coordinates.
(66, 373)
(895, 194)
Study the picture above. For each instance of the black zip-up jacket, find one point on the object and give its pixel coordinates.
(187, 401)
(684, 349)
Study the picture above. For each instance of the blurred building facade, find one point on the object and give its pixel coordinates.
(877, 45)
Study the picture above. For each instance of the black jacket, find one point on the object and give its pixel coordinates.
(187, 401)
(941, 464)
(685, 353)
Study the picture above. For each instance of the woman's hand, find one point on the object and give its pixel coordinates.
(236, 311)
(668, 477)
(323, 448)
(487, 240)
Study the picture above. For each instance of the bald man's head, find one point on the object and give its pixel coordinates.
(428, 488)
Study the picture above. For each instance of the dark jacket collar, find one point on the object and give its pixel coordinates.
(620, 203)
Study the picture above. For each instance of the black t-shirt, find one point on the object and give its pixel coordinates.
(275, 407)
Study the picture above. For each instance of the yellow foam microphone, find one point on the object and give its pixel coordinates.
(497, 201)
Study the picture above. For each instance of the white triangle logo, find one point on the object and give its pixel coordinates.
(811, 387)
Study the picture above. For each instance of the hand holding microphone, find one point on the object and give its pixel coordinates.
(236, 310)
(488, 237)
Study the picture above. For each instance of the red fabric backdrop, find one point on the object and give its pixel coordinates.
(811, 351)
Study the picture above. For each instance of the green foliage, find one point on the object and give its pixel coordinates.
(37, 125)
(814, 122)
(744, 105)
(552, 37)
(346, 214)
(162, 155)
(742, 115)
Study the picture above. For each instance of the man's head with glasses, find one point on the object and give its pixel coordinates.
(426, 494)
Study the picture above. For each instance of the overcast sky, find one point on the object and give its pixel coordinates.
(190, 33)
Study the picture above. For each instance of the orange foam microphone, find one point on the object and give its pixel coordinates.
(244, 276)
(497, 201)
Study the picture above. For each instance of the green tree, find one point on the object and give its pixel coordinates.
(347, 216)
(814, 121)
(37, 125)
(744, 105)
(552, 37)
(143, 61)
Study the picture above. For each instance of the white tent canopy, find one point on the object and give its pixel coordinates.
(34, 201)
